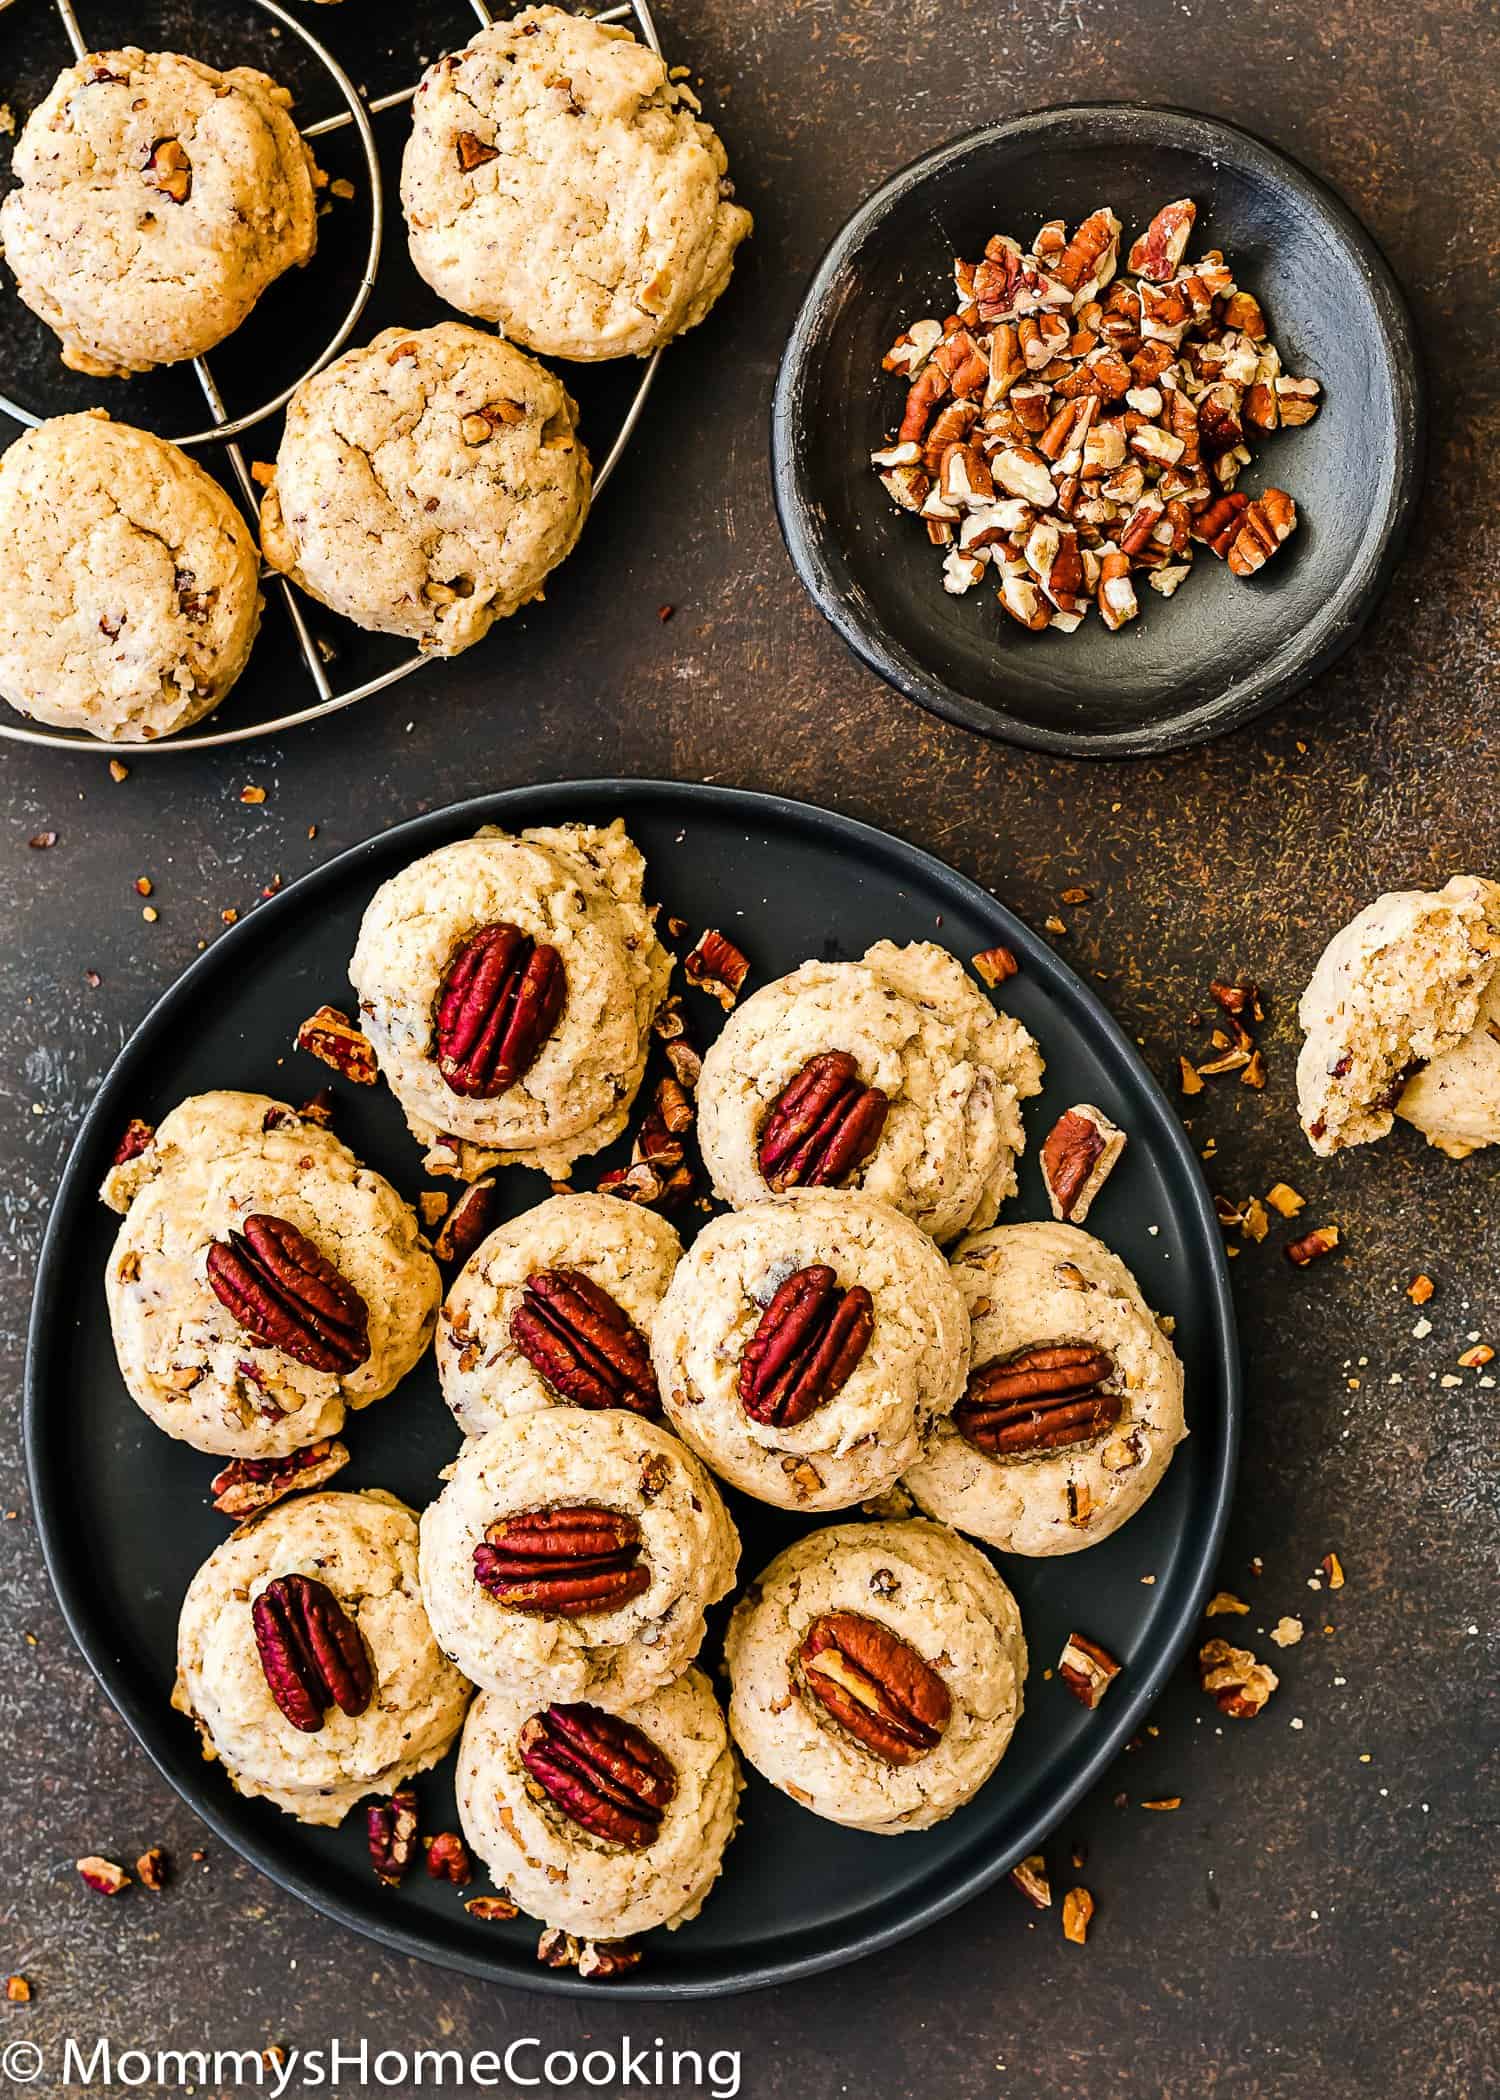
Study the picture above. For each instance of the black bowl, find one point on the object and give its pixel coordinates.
(1222, 650)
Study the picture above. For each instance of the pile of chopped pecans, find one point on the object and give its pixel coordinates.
(1067, 427)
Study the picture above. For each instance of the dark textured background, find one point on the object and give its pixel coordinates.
(1306, 1922)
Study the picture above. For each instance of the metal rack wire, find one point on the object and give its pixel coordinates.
(226, 430)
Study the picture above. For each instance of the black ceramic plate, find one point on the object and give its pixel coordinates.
(122, 1510)
(1221, 650)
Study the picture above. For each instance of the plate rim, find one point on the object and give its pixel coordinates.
(89, 1629)
(1244, 697)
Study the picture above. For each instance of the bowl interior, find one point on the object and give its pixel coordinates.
(1222, 647)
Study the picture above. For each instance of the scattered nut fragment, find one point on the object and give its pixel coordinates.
(591, 1958)
(248, 1485)
(716, 966)
(432, 1206)
(994, 965)
(18, 1990)
(1224, 1601)
(1030, 1877)
(1420, 1289)
(491, 1910)
(1187, 1077)
(469, 1221)
(330, 1036)
(1312, 1245)
(1086, 1669)
(1077, 1912)
(1287, 1632)
(103, 1876)
(1079, 1154)
(473, 152)
(1474, 1359)
(169, 170)
(253, 795)
(448, 1859)
(1240, 1685)
(137, 1136)
(1285, 1200)
(1164, 1803)
(1333, 1571)
(153, 1869)
(391, 1834)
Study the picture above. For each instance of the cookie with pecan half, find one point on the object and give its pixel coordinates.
(573, 1554)
(894, 1075)
(601, 1821)
(1073, 1402)
(804, 1345)
(553, 1310)
(877, 1673)
(263, 1282)
(306, 1661)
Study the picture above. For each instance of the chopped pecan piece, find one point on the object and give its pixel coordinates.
(1312, 1245)
(153, 1869)
(595, 1960)
(1079, 1154)
(448, 1859)
(169, 170)
(1264, 525)
(103, 1876)
(716, 966)
(332, 1038)
(1239, 1683)
(472, 152)
(1077, 1913)
(492, 1910)
(136, 1139)
(391, 1835)
(1030, 1877)
(247, 1485)
(1086, 1669)
(995, 965)
(468, 1223)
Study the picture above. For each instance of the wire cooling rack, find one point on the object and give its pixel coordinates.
(226, 429)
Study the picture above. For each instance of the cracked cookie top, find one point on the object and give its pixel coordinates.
(131, 596)
(1073, 1405)
(427, 484)
(157, 199)
(363, 1549)
(238, 1371)
(558, 183)
(605, 1876)
(574, 889)
(572, 1555)
(845, 1383)
(909, 1023)
(1397, 1021)
(918, 1647)
(490, 1368)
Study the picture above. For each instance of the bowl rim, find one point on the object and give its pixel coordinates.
(1264, 684)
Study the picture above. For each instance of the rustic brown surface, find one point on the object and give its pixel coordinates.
(1306, 1921)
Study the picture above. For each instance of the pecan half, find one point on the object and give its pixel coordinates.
(808, 1341)
(311, 1651)
(717, 967)
(605, 1774)
(288, 1296)
(391, 1835)
(823, 1125)
(1079, 1154)
(332, 1038)
(498, 1003)
(875, 1685)
(587, 1347)
(1040, 1399)
(246, 1485)
(562, 1563)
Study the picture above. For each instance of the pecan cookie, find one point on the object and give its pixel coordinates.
(427, 484)
(877, 1673)
(156, 200)
(572, 1555)
(1073, 1406)
(1402, 1018)
(264, 1281)
(508, 986)
(131, 595)
(558, 183)
(305, 1659)
(553, 1311)
(602, 1823)
(804, 1345)
(893, 1074)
